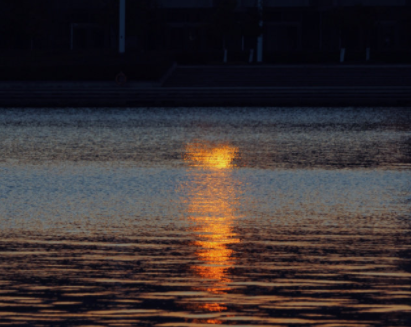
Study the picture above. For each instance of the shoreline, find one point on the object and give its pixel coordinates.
(237, 85)
(97, 95)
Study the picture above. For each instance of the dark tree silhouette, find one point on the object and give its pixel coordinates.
(251, 23)
(144, 22)
(224, 22)
(25, 21)
(351, 23)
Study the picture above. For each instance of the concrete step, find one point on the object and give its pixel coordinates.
(289, 75)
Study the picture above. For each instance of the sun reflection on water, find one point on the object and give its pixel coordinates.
(212, 200)
(204, 154)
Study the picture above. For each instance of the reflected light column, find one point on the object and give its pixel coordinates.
(212, 195)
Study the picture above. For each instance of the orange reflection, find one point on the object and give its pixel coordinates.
(211, 208)
(205, 155)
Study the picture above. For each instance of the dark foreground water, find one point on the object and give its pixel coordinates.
(195, 217)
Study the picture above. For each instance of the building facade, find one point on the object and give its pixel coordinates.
(294, 30)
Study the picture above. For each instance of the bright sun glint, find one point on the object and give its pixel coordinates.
(205, 155)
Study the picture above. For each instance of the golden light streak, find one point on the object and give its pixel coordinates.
(211, 207)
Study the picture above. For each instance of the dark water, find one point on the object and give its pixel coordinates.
(195, 217)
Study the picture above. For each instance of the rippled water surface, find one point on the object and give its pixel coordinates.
(195, 217)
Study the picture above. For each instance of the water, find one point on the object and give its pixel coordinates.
(195, 217)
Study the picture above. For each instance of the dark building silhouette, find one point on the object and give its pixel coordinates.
(294, 30)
